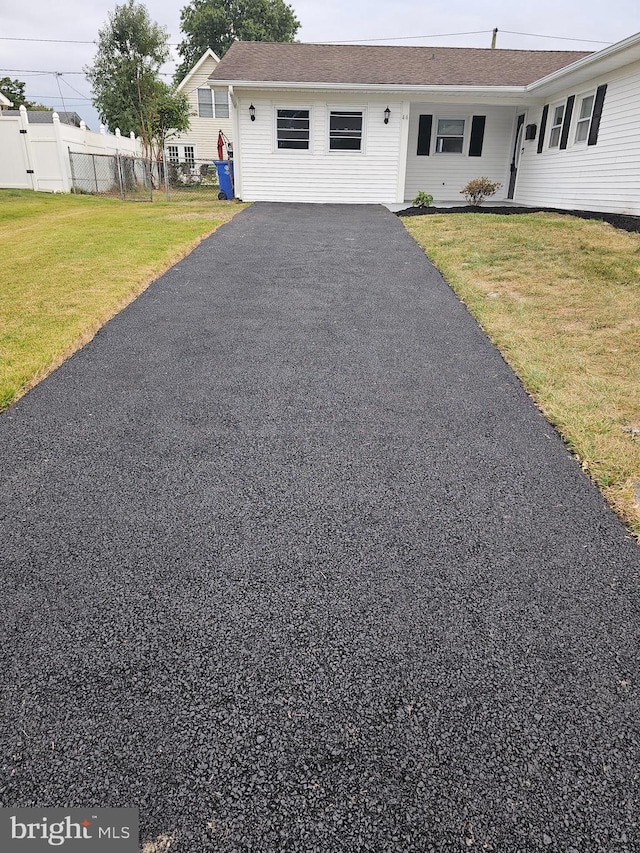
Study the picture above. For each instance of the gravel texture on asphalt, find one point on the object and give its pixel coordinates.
(291, 562)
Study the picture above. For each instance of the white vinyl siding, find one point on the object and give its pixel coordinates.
(318, 174)
(443, 176)
(203, 132)
(603, 177)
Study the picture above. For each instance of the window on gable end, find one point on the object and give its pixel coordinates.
(205, 103)
(221, 99)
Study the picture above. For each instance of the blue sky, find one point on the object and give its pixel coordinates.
(411, 22)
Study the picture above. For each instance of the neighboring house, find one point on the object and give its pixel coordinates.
(46, 117)
(4, 102)
(210, 115)
(349, 123)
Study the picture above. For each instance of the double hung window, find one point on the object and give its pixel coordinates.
(584, 118)
(450, 136)
(556, 126)
(213, 103)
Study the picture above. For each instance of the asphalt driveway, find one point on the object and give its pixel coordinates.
(292, 563)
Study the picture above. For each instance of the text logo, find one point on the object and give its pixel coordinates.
(79, 830)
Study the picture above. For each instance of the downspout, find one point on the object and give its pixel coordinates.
(237, 148)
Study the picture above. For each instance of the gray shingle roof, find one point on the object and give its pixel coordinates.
(383, 65)
(46, 116)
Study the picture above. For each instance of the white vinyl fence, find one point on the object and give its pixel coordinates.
(36, 156)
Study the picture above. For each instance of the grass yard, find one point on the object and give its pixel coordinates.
(69, 263)
(560, 298)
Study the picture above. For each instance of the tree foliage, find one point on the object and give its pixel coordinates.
(216, 24)
(125, 77)
(14, 90)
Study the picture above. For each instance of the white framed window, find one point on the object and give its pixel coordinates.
(293, 129)
(346, 129)
(190, 155)
(450, 135)
(585, 112)
(177, 154)
(205, 103)
(221, 103)
(213, 103)
(556, 126)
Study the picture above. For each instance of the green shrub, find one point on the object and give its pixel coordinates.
(478, 189)
(422, 200)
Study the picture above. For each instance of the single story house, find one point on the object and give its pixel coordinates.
(4, 102)
(210, 114)
(357, 124)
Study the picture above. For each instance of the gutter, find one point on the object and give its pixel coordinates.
(584, 63)
(395, 88)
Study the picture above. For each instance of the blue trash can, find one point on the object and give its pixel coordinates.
(225, 178)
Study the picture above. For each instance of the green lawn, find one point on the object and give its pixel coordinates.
(560, 297)
(69, 263)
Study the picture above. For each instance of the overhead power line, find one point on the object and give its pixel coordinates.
(343, 41)
(559, 38)
(402, 38)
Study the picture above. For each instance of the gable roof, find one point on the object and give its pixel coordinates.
(206, 56)
(4, 101)
(264, 62)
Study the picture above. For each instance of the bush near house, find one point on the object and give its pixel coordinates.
(477, 190)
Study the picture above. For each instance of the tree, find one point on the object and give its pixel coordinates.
(218, 23)
(170, 115)
(125, 77)
(14, 90)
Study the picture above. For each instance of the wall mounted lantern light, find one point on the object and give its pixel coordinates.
(252, 112)
(387, 113)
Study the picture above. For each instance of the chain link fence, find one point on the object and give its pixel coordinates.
(138, 179)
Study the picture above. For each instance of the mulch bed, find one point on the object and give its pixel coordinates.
(618, 220)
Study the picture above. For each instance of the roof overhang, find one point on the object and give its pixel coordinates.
(598, 64)
(506, 95)
(186, 80)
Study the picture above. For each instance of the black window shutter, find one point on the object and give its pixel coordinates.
(597, 113)
(477, 136)
(424, 135)
(566, 124)
(543, 127)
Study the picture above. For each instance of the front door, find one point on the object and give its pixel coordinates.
(515, 159)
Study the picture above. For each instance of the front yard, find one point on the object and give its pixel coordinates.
(69, 263)
(560, 298)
